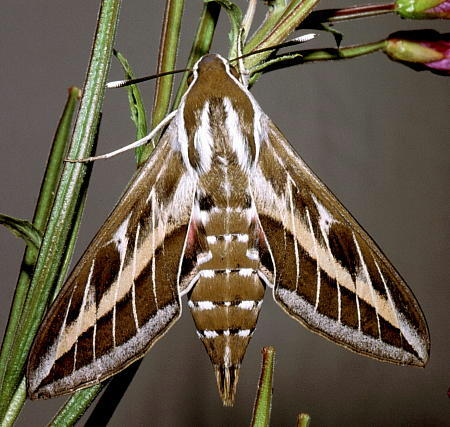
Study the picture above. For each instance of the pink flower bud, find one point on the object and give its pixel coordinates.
(421, 50)
(423, 9)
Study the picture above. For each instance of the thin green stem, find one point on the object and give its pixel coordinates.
(303, 420)
(290, 19)
(170, 35)
(201, 44)
(263, 401)
(67, 201)
(337, 15)
(42, 212)
(274, 12)
(313, 55)
(76, 406)
(16, 404)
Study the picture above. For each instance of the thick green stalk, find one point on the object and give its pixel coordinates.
(168, 46)
(201, 44)
(263, 401)
(67, 201)
(45, 201)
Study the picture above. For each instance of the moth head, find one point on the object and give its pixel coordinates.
(213, 64)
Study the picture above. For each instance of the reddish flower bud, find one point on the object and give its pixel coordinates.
(421, 50)
(423, 9)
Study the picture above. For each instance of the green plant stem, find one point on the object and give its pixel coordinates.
(343, 53)
(303, 420)
(137, 109)
(67, 201)
(290, 19)
(338, 15)
(16, 404)
(76, 406)
(313, 55)
(275, 10)
(263, 401)
(168, 46)
(45, 201)
(201, 44)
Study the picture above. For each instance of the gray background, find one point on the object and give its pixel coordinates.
(375, 132)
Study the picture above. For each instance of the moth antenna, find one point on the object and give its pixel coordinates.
(122, 83)
(135, 144)
(297, 40)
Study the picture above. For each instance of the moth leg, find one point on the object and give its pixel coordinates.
(135, 144)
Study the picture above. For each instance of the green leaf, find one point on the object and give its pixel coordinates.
(138, 115)
(23, 229)
(235, 15)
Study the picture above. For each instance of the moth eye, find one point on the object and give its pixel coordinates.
(190, 77)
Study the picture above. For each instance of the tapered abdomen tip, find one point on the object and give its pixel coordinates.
(227, 378)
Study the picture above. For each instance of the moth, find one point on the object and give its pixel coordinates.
(223, 208)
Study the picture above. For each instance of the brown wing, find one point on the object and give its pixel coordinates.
(328, 273)
(123, 294)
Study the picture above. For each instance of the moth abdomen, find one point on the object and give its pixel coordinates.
(227, 297)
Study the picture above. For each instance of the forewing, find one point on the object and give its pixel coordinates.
(123, 295)
(328, 273)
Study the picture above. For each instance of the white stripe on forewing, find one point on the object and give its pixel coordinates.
(153, 221)
(317, 257)
(81, 314)
(325, 221)
(133, 273)
(121, 240)
(291, 205)
(54, 352)
(389, 302)
(368, 282)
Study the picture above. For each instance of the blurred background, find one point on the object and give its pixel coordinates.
(376, 133)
